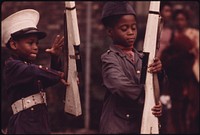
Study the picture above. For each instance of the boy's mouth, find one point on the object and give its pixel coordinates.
(33, 54)
(131, 40)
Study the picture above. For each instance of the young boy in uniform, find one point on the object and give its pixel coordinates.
(25, 81)
(121, 70)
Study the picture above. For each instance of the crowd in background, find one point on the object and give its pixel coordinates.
(179, 52)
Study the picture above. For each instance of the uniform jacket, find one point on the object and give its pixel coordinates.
(22, 80)
(124, 99)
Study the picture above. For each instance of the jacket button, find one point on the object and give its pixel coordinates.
(138, 71)
(127, 115)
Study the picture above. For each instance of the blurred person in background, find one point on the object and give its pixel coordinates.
(178, 60)
(166, 25)
(181, 20)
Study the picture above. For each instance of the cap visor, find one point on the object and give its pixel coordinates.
(39, 34)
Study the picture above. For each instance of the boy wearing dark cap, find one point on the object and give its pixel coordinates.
(25, 81)
(121, 70)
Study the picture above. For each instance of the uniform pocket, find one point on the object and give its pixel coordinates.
(128, 114)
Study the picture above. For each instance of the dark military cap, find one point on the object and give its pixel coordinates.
(112, 8)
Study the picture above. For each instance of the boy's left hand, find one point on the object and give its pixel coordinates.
(157, 110)
(156, 66)
(56, 46)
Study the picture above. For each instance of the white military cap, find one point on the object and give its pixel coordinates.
(20, 23)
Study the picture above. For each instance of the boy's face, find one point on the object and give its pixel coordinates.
(27, 47)
(124, 33)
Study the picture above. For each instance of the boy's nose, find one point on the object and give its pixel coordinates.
(35, 46)
(130, 31)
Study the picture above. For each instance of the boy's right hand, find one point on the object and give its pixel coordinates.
(56, 46)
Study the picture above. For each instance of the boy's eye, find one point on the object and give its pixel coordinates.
(31, 43)
(134, 27)
(124, 28)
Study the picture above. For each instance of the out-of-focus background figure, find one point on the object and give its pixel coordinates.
(167, 25)
(182, 27)
(180, 60)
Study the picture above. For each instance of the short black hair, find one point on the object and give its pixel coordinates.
(8, 44)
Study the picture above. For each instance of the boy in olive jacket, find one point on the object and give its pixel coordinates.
(121, 70)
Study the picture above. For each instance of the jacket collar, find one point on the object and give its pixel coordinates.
(118, 51)
(137, 56)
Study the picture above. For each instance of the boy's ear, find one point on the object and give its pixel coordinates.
(109, 31)
(13, 45)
